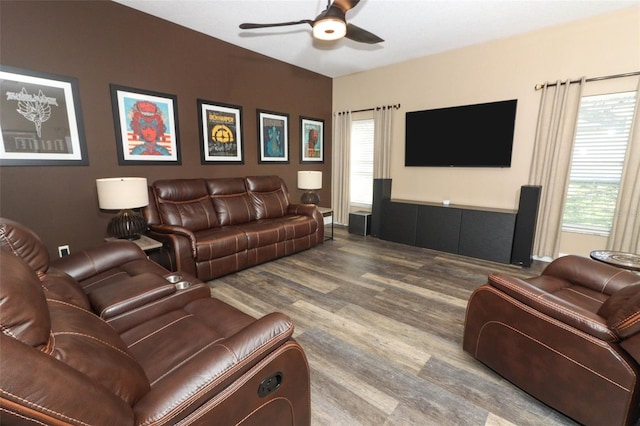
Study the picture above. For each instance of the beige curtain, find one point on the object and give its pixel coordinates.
(341, 147)
(557, 119)
(383, 123)
(625, 234)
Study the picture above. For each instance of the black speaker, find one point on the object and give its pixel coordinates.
(360, 223)
(525, 229)
(381, 192)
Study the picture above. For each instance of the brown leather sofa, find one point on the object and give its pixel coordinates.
(102, 338)
(569, 337)
(212, 227)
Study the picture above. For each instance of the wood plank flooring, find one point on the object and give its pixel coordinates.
(381, 324)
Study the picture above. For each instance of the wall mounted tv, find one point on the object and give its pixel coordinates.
(479, 135)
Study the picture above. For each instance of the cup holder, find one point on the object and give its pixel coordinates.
(182, 285)
(173, 278)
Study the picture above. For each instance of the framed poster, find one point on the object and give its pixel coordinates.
(312, 140)
(273, 137)
(41, 120)
(220, 132)
(146, 126)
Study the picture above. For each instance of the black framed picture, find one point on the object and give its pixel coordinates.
(41, 119)
(220, 132)
(273, 137)
(146, 125)
(311, 140)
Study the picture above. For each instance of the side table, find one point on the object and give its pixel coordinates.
(147, 244)
(620, 259)
(327, 212)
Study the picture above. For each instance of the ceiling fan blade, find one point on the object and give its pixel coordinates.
(358, 34)
(250, 26)
(345, 4)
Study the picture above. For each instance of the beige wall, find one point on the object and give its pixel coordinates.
(499, 70)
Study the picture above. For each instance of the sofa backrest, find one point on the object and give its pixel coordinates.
(199, 204)
(24, 314)
(231, 200)
(23, 242)
(269, 196)
(185, 203)
(65, 332)
(598, 276)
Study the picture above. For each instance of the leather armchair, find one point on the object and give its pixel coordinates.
(569, 337)
(170, 356)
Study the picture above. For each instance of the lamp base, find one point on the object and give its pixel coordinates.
(310, 197)
(127, 225)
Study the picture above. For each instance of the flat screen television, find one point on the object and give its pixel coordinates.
(479, 135)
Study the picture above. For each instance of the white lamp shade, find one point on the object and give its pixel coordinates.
(309, 180)
(122, 193)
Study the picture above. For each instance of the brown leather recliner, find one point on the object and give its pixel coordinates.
(130, 348)
(569, 337)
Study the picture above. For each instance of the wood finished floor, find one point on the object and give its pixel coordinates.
(381, 324)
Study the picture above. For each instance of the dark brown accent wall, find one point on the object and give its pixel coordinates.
(102, 42)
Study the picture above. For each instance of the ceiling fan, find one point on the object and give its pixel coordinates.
(331, 24)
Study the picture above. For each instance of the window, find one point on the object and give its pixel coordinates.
(602, 135)
(361, 176)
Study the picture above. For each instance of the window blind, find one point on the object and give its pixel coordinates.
(361, 176)
(602, 135)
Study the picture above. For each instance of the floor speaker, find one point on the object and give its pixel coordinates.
(381, 192)
(525, 228)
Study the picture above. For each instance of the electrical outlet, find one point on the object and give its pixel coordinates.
(64, 251)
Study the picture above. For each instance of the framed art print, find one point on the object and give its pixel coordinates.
(312, 140)
(146, 126)
(273, 137)
(41, 119)
(220, 132)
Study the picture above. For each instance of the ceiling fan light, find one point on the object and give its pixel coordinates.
(329, 29)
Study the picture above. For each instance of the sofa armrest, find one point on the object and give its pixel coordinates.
(90, 262)
(312, 211)
(114, 299)
(160, 306)
(210, 371)
(177, 230)
(553, 306)
(180, 247)
(303, 209)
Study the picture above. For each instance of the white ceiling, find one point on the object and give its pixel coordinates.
(410, 28)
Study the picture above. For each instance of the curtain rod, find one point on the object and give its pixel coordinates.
(606, 77)
(396, 106)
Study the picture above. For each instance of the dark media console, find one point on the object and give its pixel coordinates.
(498, 235)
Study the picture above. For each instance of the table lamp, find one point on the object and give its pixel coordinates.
(310, 181)
(124, 194)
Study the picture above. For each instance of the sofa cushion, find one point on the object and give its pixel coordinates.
(185, 203)
(231, 201)
(263, 233)
(269, 196)
(89, 345)
(622, 311)
(219, 242)
(618, 300)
